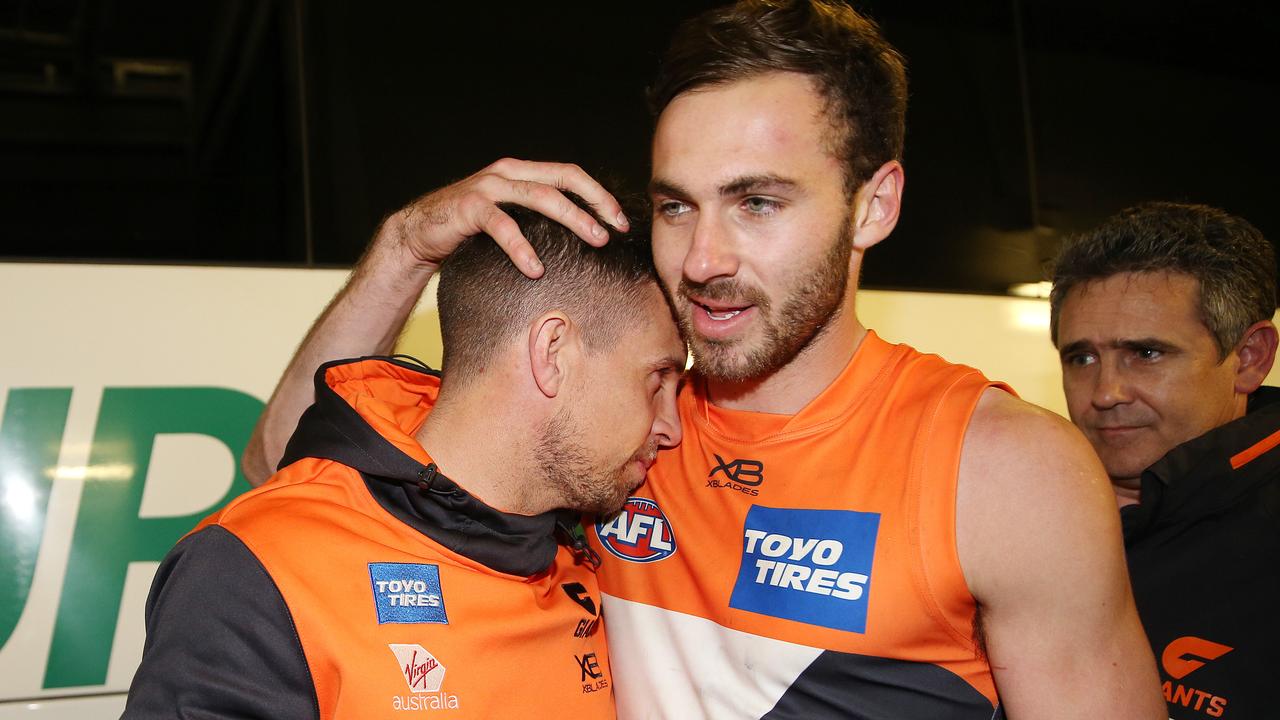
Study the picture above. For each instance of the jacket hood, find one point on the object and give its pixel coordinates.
(365, 416)
(1206, 476)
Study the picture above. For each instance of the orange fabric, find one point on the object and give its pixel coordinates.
(510, 642)
(883, 439)
(1248, 455)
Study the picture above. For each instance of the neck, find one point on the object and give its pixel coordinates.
(478, 441)
(1127, 490)
(791, 387)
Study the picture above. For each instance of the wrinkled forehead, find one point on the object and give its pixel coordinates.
(1129, 305)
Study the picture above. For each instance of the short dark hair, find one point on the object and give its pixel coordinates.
(861, 77)
(484, 300)
(1233, 263)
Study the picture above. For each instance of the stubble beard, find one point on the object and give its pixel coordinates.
(568, 473)
(805, 314)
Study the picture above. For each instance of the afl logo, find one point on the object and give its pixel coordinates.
(638, 533)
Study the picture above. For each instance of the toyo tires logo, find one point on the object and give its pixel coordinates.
(99, 500)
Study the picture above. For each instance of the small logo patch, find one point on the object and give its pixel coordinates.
(407, 593)
(1188, 654)
(811, 566)
(421, 670)
(638, 533)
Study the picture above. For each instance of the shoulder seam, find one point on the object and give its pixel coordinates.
(302, 654)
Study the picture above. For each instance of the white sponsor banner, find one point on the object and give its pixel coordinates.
(126, 394)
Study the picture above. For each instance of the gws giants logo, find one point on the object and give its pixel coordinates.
(811, 566)
(424, 675)
(638, 533)
(578, 593)
(1183, 657)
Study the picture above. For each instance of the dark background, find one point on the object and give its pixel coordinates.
(282, 131)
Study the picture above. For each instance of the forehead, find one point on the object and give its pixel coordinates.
(651, 332)
(1130, 306)
(758, 125)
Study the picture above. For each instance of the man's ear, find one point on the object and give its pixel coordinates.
(877, 205)
(1257, 353)
(550, 351)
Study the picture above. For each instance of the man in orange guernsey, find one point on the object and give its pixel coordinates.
(415, 551)
(850, 528)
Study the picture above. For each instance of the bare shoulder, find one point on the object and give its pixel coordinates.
(1038, 535)
(1027, 475)
(1005, 429)
(1014, 446)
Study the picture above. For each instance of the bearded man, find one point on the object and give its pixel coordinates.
(851, 528)
(416, 551)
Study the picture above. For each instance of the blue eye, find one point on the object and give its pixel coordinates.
(760, 205)
(672, 208)
(1080, 360)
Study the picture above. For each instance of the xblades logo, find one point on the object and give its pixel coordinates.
(593, 679)
(742, 475)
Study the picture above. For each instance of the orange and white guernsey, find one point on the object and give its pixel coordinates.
(803, 566)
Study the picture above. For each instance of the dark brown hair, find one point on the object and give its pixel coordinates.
(1233, 263)
(484, 301)
(861, 77)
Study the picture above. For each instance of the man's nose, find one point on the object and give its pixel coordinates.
(712, 253)
(666, 423)
(1111, 387)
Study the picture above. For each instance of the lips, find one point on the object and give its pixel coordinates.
(719, 319)
(1117, 432)
(720, 311)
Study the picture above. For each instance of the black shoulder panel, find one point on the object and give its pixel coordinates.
(220, 640)
(846, 685)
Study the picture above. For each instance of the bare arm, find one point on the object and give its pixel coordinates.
(1039, 540)
(368, 314)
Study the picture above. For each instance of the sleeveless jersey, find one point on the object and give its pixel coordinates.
(803, 566)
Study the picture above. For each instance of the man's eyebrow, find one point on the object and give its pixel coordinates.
(1147, 343)
(737, 186)
(756, 183)
(1075, 347)
(660, 186)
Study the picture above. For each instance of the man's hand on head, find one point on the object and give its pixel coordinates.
(428, 229)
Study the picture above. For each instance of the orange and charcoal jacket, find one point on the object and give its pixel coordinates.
(361, 583)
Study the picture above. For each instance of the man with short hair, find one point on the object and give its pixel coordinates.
(1162, 317)
(415, 553)
(850, 528)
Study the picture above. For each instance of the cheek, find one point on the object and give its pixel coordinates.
(669, 250)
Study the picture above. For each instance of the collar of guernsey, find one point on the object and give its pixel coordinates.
(366, 414)
(868, 366)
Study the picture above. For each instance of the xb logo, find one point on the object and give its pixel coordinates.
(743, 472)
(1188, 654)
